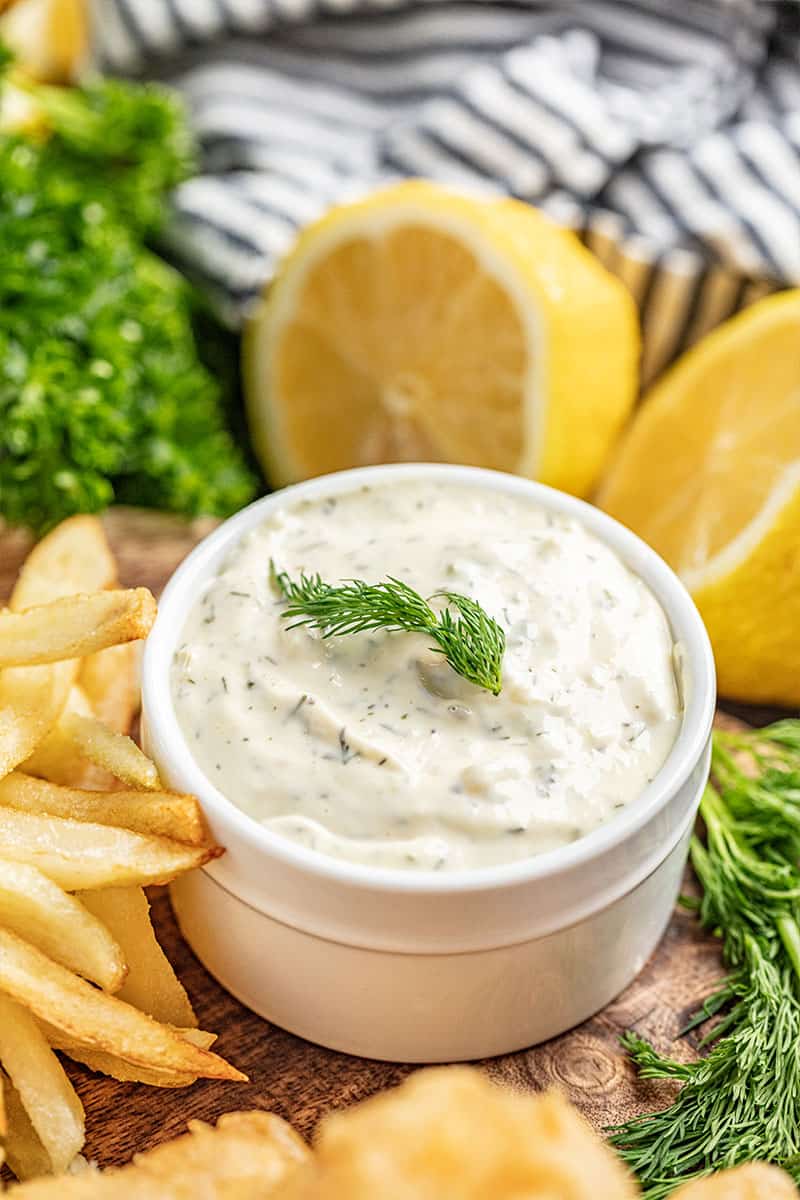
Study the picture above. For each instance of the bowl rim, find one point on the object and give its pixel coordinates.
(685, 622)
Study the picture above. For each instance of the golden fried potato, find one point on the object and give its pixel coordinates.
(53, 921)
(753, 1181)
(247, 1157)
(95, 1018)
(31, 701)
(55, 759)
(118, 1068)
(68, 624)
(116, 753)
(73, 626)
(162, 814)
(48, 1097)
(24, 1152)
(151, 985)
(74, 557)
(81, 751)
(110, 682)
(81, 855)
(450, 1134)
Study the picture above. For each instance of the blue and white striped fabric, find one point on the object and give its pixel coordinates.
(667, 132)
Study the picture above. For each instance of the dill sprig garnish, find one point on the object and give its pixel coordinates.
(741, 1101)
(472, 642)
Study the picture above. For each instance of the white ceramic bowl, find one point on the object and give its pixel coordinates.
(416, 966)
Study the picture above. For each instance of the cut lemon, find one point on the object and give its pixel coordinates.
(422, 325)
(709, 475)
(48, 38)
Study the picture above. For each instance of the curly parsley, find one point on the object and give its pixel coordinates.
(102, 394)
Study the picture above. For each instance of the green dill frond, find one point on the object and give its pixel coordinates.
(472, 642)
(741, 1101)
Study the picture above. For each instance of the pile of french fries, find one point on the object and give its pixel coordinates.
(85, 825)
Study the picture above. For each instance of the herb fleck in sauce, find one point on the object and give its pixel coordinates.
(369, 747)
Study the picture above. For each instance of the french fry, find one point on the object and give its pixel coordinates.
(55, 757)
(25, 1154)
(64, 1042)
(36, 909)
(163, 814)
(74, 557)
(69, 627)
(117, 1068)
(78, 855)
(116, 752)
(151, 984)
(103, 1063)
(3, 1126)
(74, 626)
(31, 700)
(47, 1095)
(110, 682)
(96, 1019)
(198, 1037)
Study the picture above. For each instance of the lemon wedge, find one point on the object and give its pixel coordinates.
(709, 475)
(49, 38)
(423, 325)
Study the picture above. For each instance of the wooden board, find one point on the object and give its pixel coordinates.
(301, 1081)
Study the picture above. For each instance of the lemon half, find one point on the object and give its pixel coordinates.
(421, 325)
(709, 474)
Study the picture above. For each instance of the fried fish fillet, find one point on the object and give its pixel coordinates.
(450, 1134)
(246, 1157)
(753, 1181)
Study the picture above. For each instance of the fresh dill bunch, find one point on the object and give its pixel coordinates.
(741, 1101)
(472, 642)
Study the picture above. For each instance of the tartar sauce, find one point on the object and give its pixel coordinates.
(368, 746)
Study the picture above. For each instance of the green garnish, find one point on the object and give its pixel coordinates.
(471, 642)
(740, 1102)
(103, 395)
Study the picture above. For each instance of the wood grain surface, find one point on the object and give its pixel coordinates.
(301, 1081)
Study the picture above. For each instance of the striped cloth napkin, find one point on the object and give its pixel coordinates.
(666, 132)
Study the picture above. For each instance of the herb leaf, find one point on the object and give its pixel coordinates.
(740, 1102)
(103, 393)
(471, 641)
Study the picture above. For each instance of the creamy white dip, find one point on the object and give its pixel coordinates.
(369, 747)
